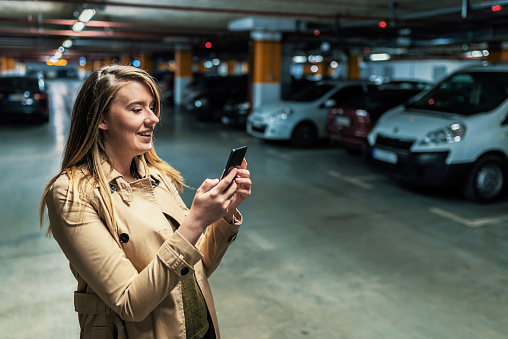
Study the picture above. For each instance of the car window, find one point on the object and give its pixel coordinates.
(348, 92)
(466, 93)
(311, 93)
(14, 83)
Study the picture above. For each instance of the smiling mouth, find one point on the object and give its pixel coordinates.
(146, 134)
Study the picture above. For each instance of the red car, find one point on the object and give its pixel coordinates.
(350, 123)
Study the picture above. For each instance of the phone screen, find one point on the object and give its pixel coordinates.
(235, 159)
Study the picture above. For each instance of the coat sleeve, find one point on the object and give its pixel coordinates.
(216, 239)
(97, 257)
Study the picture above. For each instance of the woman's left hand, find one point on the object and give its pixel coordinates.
(243, 190)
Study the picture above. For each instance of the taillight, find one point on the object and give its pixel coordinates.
(40, 96)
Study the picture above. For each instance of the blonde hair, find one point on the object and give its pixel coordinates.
(85, 147)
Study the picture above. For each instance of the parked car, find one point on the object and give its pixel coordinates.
(209, 101)
(302, 118)
(24, 98)
(235, 110)
(350, 123)
(166, 82)
(453, 135)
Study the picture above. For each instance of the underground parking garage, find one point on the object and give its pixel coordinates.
(336, 240)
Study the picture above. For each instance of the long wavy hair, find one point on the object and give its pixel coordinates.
(85, 150)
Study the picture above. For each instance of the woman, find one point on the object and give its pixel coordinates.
(139, 255)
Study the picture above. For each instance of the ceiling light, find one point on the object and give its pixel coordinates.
(67, 43)
(86, 15)
(78, 26)
(380, 57)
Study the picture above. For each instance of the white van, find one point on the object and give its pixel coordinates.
(302, 118)
(455, 134)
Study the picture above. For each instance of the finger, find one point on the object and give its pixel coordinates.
(226, 181)
(244, 164)
(243, 173)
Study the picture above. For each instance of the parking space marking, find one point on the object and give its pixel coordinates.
(469, 222)
(358, 181)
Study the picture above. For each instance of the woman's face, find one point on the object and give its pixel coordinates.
(129, 125)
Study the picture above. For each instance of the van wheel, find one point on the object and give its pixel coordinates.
(304, 135)
(486, 181)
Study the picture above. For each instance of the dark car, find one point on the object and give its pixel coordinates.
(235, 110)
(350, 123)
(166, 81)
(208, 104)
(24, 98)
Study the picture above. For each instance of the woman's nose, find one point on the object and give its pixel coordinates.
(152, 119)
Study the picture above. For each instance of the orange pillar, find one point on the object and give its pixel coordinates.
(266, 68)
(146, 63)
(183, 73)
(354, 67)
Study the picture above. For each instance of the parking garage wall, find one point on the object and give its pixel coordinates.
(428, 70)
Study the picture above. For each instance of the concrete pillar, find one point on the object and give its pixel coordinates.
(146, 63)
(498, 52)
(266, 68)
(125, 60)
(183, 73)
(354, 67)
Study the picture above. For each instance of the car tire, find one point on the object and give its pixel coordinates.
(487, 179)
(304, 135)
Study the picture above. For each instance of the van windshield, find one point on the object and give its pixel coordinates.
(466, 93)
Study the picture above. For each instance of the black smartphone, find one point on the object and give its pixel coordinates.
(235, 159)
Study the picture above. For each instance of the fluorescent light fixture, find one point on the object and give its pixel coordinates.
(380, 57)
(86, 15)
(298, 59)
(78, 26)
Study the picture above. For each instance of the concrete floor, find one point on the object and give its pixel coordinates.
(328, 249)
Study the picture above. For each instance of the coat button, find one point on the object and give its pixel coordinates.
(124, 238)
(184, 271)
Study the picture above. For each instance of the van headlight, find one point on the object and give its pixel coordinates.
(446, 135)
(280, 115)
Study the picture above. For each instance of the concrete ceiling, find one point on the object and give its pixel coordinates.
(33, 30)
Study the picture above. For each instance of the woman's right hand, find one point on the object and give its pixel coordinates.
(209, 205)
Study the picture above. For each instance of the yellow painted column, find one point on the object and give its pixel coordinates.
(146, 63)
(266, 68)
(183, 72)
(354, 67)
(231, 67)
(8, 65)
(497, 55)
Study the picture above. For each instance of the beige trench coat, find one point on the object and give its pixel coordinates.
(128, 278)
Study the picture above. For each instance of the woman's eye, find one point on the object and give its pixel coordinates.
(137, 110)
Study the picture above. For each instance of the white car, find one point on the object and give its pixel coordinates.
(302, 118)
(455, 134)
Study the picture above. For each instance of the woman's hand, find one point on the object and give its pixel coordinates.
(212, 201)
(242, 192)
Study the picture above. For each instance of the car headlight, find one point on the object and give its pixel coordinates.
(446, 135)
(201, 102)
(280, 115)
(243, 106)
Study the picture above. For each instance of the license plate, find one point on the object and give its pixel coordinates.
(344, 121)
(16, 97)
(386, 156)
